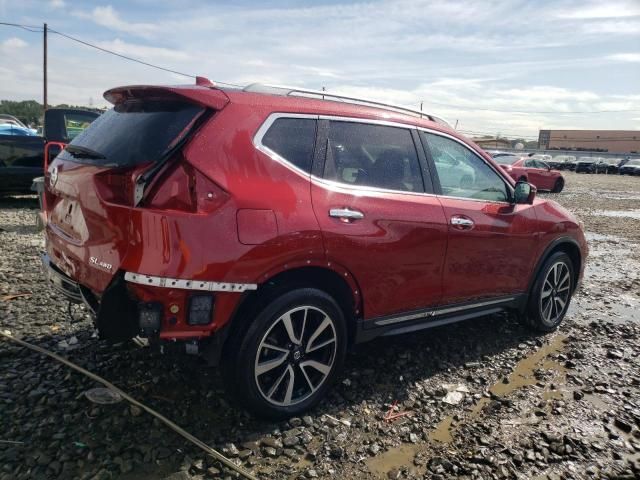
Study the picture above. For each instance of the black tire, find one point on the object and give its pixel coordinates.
(539, 316)
(306, 307)
(557, 188)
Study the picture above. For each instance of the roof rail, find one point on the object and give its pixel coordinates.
(305, 92)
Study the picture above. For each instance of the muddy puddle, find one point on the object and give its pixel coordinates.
(523, 375)
(395, 458)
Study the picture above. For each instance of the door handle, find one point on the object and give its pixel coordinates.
(346, 214)
(462, 223)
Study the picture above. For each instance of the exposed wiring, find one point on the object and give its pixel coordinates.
(180, 431)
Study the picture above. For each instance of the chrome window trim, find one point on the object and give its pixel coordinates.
(264, 128)
(501, 175)
(183, 284)
(260, 133)
(441, 311)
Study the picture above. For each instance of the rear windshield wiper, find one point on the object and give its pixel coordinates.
(77, 151)
(143, 180)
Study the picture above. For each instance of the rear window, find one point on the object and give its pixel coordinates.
(132, 133)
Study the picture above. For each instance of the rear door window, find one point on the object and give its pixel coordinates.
(131, 133)
(373, 156)
(293, 139)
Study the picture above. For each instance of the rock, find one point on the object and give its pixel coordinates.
(135, 411)
(453, 398)
(270, 451)
(615, 354)
(271, 442)
(181, 475)
(622, 425)
(394, 474)
(291, 441)
(413, 438)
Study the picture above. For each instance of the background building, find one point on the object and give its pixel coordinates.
(614, 141)
(492, 143)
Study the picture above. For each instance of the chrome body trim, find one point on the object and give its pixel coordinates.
(166, 282)
(260, 133)
(441, 311)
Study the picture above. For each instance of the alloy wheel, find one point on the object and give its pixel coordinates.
(295, 356)
(555, 293)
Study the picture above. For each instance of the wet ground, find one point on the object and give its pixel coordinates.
(482, 399)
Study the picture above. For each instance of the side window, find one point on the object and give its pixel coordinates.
(541, 164)
(293, 139)
(373, 156)
(462, 173)
(75, 123)
(531, 163)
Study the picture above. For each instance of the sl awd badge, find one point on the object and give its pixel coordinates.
(101, 264)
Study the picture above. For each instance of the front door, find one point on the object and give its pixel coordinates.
(378, 217)
(490, 239)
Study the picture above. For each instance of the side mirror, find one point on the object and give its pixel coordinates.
(524, 193)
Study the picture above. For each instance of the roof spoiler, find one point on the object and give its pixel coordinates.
(203, 93)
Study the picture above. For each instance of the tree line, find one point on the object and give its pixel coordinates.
(30, 112)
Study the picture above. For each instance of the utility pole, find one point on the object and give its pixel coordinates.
(44, 66)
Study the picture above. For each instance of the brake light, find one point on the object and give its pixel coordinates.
(116, 186)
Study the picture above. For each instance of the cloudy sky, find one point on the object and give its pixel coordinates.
(487, 64)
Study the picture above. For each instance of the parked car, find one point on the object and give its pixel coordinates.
(608, 165)
(529, 169)
(632, 167)
(270, 229)
(563, 162)
(541, 156)
(587, 164)
(22, 153)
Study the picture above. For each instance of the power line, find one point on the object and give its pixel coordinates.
(35, 29)
(120, 55)
(29, 28)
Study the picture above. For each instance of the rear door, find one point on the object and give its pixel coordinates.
(490, 240)
(378, 216)
(545, 176)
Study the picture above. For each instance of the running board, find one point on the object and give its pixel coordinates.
(435, 317)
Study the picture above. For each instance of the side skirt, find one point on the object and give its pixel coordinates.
(434, 317)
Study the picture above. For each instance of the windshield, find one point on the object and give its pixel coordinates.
(612, 161)
(506, 160)
(131, 133)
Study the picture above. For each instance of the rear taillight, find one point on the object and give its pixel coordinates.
(184, 188)
(116, 186)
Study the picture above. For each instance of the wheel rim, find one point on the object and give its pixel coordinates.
(295, 356)
(555, 293)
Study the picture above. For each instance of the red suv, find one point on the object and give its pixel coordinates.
(269, 229)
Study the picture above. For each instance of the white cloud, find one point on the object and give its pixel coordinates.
(57, 3)
(12, 43)
(625, 57)
(108, 17)
(600, 9)
(144, 52)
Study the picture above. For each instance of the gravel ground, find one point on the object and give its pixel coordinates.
(482, 399)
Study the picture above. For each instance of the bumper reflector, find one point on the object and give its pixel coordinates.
(149, 319)
(200, 309)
